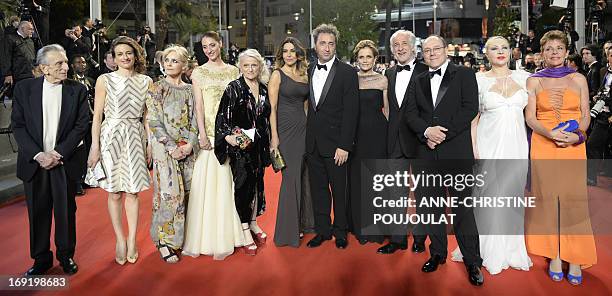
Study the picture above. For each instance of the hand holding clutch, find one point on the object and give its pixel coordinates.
(244, 141)
(278, 163)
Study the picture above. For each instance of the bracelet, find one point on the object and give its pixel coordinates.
(581, 136)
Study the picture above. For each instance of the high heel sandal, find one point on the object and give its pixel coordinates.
(171, 253)
(259, 238)
(575, 280)
(132, 259)
(250, 249)
(120, 260)
(556, 276)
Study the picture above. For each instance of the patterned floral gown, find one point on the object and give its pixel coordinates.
(172, 121)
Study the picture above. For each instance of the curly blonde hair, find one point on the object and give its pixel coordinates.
(140, 64)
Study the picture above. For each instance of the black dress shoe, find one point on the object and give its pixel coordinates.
(591, 182)
(317, 241)
(475, 275)
(390, 248)
(38, 269)
(418, 248)
(80, 191)
(69, 266)
(432, 264)
(341, 243)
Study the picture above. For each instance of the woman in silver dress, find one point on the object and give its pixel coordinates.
(118, 142)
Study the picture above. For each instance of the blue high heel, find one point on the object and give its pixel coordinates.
(556, 276)
(574, 280)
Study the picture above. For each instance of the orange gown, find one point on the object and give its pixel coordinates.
(560, 221)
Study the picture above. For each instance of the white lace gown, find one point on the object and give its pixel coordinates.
(501, 139)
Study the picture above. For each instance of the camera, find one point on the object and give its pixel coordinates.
(98, 24)
(602, 99)
(25, 9)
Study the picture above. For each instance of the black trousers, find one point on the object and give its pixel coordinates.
(596, 147)
(402, 239)
(464, 224)
(47, 192)
(325, 174)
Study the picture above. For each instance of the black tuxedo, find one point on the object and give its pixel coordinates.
(455, 108)
(331, 124)
(399, 134)
(401, 141)
(53, 189)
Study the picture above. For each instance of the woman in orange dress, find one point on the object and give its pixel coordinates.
(559, 227)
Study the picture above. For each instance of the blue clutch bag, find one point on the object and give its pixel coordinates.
(571, 124)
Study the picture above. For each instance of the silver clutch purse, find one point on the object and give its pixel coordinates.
(95, 174)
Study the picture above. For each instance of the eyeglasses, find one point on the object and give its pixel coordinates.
(435, 50)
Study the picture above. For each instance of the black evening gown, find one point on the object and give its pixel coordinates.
(370, 143)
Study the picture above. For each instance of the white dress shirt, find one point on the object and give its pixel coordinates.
(402, 79)
(319, 77)
(436, 81)
(52, 107)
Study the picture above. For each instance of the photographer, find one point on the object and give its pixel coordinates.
(602, 117)
(146, 39)
(88, 31)
(77, 44)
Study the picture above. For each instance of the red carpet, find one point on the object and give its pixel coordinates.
(274, 271)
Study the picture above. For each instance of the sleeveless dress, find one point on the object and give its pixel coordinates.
(122, 134)
(370, 143)
(501, 139)
(560, 220)
(294, 213)
(212, 226)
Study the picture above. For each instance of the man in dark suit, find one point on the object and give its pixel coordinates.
(49, 120)
(401, 141)
(590, 54)
(330, 132)
(516, 61)
(441, 106)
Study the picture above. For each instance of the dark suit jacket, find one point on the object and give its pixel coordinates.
(594, 78)
(602, 74)
(457, 106)
(333, 122)
(27, 124)
(398, 130)
(81, 46)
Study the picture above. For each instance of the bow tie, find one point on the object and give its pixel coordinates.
(402, 68)
(433, 73)
(324, 67)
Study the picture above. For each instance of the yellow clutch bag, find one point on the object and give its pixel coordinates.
(278, 163)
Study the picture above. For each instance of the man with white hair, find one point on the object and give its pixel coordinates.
(441, 106)
(49, 120)
(401, 141)
(19, 54)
